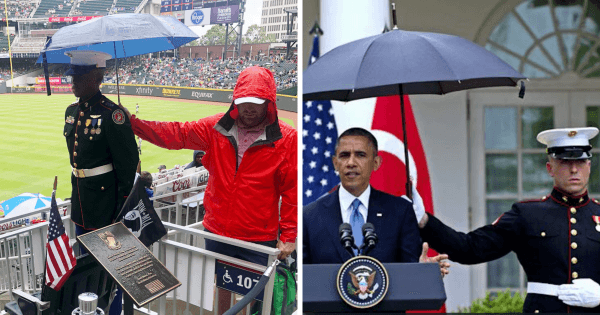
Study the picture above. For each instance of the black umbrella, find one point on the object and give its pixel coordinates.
(402, 62)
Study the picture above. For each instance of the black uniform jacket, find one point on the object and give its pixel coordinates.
(555, 240)
(96, 200)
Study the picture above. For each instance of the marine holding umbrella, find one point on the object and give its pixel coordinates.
(556, 238)
(102, 149)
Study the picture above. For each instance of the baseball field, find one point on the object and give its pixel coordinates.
(33, 150)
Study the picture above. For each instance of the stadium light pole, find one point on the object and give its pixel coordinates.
(12, 79)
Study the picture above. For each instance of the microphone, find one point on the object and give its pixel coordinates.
(346, 238)
(370, 238)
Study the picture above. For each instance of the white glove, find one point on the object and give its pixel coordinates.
(417, 202)
(583, 293)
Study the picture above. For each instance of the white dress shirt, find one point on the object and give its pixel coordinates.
(346, 200)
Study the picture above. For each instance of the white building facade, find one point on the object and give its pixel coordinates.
(480, 144)
(274, 17)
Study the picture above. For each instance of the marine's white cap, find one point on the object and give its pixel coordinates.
(250, 99)
(568, 143)
(88, 58)
(84, 61)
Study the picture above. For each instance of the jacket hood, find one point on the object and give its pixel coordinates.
(256, 82)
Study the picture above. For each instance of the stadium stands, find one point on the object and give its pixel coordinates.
(94, 7)
(198, 73)
(18, 8)
(48, 8)
(4, 42)
(126, 6)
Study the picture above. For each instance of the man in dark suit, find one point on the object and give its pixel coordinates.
(355, 202)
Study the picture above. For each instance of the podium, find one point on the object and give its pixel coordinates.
(412, 286)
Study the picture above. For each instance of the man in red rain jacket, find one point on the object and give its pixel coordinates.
(252, 160)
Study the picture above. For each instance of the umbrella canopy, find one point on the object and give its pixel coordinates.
(120, 35)
(24, 203)
(403, 62)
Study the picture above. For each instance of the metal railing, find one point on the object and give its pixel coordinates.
(182, 251)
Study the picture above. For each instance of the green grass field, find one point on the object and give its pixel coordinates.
(33, 149)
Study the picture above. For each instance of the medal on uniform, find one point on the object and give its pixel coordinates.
(93, 129)
(98, 129)
(596, 219)
(87, 124)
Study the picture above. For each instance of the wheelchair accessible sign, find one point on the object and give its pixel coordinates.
(237, 280)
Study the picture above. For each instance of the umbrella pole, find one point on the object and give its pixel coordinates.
(406, 161)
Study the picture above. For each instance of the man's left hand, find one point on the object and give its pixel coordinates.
(583, 293)
(285, 248)
(440, 259)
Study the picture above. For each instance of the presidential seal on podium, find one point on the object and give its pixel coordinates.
(362, 282)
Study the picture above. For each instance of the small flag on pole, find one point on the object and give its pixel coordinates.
(60, 258)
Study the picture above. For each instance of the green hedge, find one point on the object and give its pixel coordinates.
(503, 303)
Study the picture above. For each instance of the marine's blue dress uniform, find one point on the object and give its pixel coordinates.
(98, 133)
(555, 238)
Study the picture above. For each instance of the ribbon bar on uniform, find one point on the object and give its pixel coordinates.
(93, 171)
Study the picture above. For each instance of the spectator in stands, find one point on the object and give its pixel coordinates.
(162, 169)
(146, 179)
(252, 159)
(197, 159)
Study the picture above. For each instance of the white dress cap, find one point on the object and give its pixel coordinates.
(88, 58)
(564, 143)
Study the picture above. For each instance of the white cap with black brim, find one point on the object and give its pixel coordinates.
(568, 143)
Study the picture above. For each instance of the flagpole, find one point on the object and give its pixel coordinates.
(44, 286)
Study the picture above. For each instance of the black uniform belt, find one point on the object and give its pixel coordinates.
(81, 173)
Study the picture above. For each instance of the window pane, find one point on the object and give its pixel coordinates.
(501, 174)
(591, 21)
(533, 121)
(536, 180)
(534, 72)
(501, 128)
(503, 272)
(569, 13)
(551, 45)
(538, 57)
(537, 17)
(506, 57)
(594, 184)
(592, 114)
(512, 35)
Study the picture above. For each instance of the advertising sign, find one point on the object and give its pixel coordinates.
(197, 17)
(53, 80)
(225, 14)
(72, 18)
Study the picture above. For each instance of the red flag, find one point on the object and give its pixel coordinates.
(60, 259)
(387, 124)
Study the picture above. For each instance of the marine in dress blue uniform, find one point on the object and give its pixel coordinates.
(101, 144)
(556, 238)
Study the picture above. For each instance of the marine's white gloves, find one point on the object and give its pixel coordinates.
(417, 202)
(583, 293)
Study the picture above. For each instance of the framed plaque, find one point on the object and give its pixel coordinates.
(142, 276)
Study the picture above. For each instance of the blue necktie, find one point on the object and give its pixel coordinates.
(356, 221)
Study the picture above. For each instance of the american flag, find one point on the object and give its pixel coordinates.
(60, 259)
(319, 135)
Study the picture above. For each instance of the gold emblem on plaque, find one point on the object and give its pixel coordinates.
(572, 133)
(110, 240)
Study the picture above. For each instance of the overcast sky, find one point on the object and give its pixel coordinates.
(251, 16)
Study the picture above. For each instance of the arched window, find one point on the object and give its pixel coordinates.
(546, 38)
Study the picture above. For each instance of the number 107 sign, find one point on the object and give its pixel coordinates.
(236, 279)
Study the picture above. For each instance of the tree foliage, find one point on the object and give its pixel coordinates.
(216, 36)
(256, 35)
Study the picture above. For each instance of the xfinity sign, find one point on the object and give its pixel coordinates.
(197, 17)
